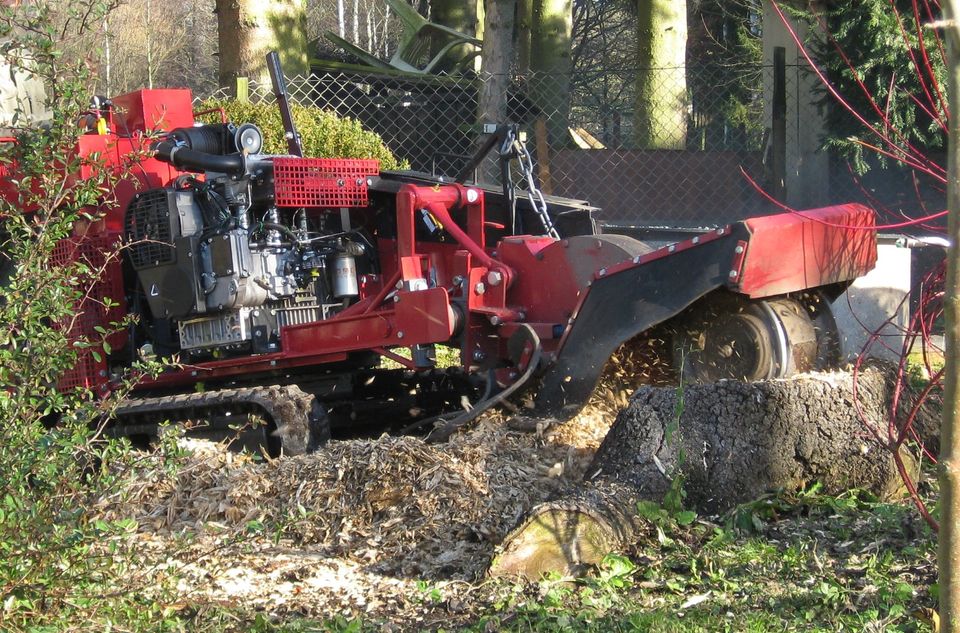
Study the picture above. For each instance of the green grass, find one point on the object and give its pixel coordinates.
(796, 563)
(446, 357)
(807, 563)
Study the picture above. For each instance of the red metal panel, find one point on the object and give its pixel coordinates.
(322, 182)
(148, 110)
(793, 251)
(406, 325)
(237, 367)
(424, 316)
(93, 252)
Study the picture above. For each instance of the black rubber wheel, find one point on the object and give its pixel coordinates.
(749, 340)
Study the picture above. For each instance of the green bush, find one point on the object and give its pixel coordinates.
(323, 133)
(60, 566)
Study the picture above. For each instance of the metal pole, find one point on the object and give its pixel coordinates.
(779, 126)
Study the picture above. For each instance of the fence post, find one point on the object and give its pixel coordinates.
(243, 90)
(779, 124)
(543, 155)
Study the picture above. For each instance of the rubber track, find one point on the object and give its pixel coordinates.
(299, 420)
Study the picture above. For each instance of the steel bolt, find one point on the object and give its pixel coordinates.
(733, 274)
(494, 277)
(457, 280)
(738, 250)
(479, 356)
(400, 334)
(602, 272)
(672, 248)
(494, 320)
(720, 231)
(696, 240)
(480, 288)
(472, 195)
(396, 298)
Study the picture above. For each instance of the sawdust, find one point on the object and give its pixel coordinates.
(358, 526)
(394, 504)
(639, 361)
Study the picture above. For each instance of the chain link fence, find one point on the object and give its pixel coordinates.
(647, 146)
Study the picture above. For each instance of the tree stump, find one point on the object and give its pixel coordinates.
(730, 441)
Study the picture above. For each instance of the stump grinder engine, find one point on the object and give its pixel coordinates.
(279, 283)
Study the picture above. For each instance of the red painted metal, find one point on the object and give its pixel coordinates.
(147, 111)
(739, 254)
(794, 251)
(97, 253)
(419, 317)
(670, 249)
(326, 183)
(451, 287)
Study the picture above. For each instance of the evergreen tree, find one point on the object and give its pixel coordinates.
(890, 72)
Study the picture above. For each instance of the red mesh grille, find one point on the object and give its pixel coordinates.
(322, 182)
(91, 250)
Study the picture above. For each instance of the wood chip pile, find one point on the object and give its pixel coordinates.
(396, 503)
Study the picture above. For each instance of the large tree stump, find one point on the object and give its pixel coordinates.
(731, 442)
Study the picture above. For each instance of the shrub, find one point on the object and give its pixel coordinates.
(59, 567)
(323, 133)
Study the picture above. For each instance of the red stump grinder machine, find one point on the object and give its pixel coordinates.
(278, 284)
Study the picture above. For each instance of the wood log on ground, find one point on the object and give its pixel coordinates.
(731, 442)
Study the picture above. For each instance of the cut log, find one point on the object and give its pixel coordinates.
(730, 441)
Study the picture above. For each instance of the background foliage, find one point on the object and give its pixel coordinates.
(323, 133)
(59, 568)
(875, 54)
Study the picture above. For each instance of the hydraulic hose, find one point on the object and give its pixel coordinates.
(192, 160)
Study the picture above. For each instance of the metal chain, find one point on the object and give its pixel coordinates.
(537, 200)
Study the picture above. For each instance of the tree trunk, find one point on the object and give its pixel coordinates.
(731, 443)
(497, 53)
(458, 15)
(356, 22)
(661, 102)
(495, 72)
(550, 33)
(249, 29)
(522, 33)
(949, 533)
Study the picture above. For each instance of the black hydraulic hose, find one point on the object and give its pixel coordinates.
(192, 160)
(279, 227)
